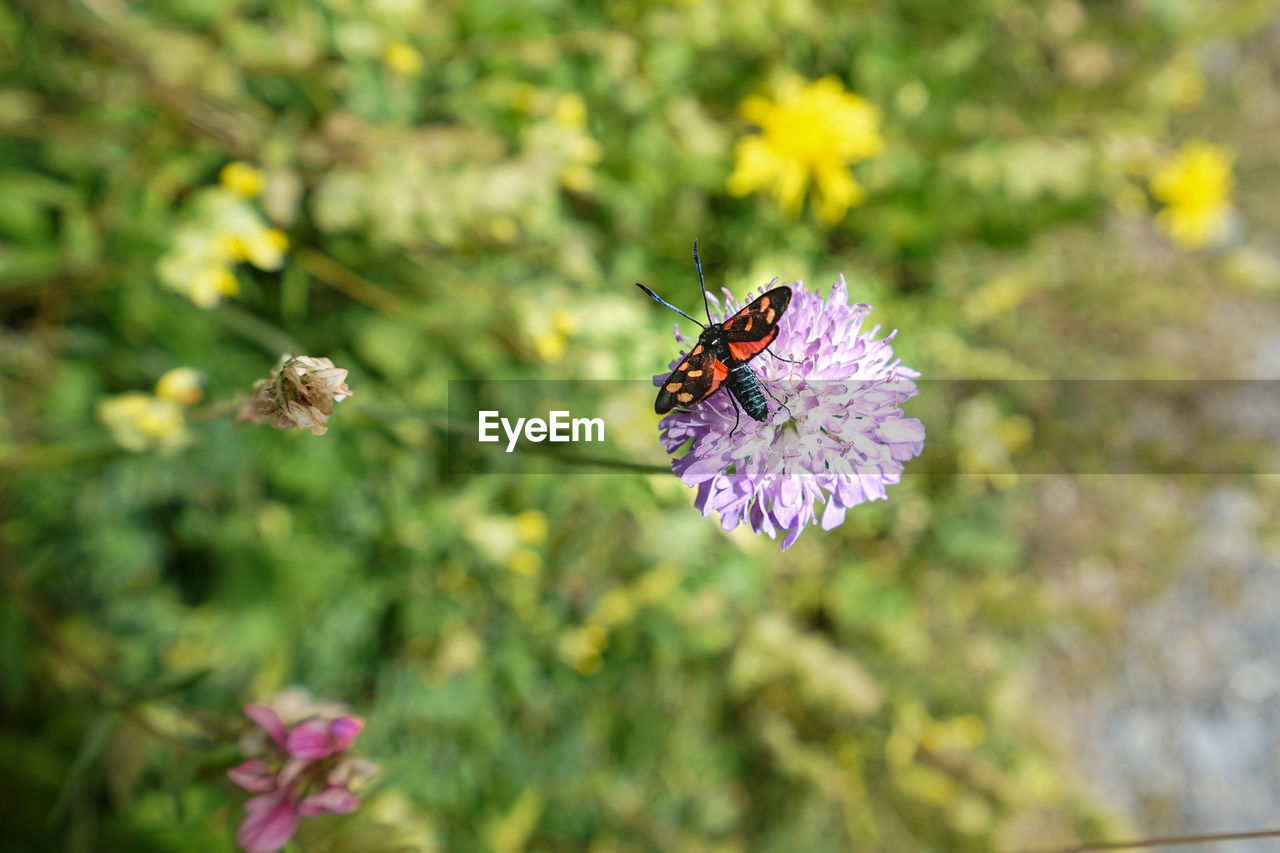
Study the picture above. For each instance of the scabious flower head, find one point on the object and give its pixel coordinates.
(302, 771)
(838, 438)
(1196, 189)
(301, 393)
(812, 132)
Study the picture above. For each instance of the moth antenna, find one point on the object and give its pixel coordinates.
(661, 301)
(702, 285)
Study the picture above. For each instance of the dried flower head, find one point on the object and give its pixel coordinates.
(300, 393)
(837, 434)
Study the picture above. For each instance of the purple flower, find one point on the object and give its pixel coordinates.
(839, 439)
(306, 775)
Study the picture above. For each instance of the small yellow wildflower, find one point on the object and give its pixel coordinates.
(562, 135)
(403, 59)
(207, 286)
(224, 229)
(199, 265)
(812, 132)
(180, 385)
(1196, 189)
(616, 607)
(564, 322)
(959, 734)
(139, 421)
(242, 179)
(581, 149)
(570, 110)
(582, 648)
(262, 247)
(524, 561)
(550, 345)
(531, 527)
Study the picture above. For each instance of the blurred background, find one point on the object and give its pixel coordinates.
(467, 189)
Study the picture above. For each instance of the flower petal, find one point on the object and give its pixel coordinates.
(268, 721)
(254, 776)
(832, 516)
(344, 730)
(291, 771)
(316, 739)
(270, 823)
(334, 799)
(353, 773)
(309, 741)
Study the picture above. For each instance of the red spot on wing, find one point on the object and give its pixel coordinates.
(743, 350)
(718, 373)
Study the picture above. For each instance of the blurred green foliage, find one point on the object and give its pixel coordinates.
(468, 189)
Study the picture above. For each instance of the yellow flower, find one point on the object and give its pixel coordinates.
(207, 286)
(180, 385)
(262, 247)
(199, 265)
(531, 527)
(580, 150)
(550, 345)
(570, 110)
(242, 179)
(812, 132)
(582, 648)
(403, 59)
(525, 561)
(140, 421)
(224, 230)
(1196, 189)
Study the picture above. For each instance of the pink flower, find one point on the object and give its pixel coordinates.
(308, 776)
(270, 821)
(316, 739)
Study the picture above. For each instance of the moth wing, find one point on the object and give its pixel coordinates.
(753, 328)
(696, 379)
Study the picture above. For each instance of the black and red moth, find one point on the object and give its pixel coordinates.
(720, 357)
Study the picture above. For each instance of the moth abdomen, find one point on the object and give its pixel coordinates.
(745, 387)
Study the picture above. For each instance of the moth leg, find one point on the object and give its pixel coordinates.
(734, 401)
